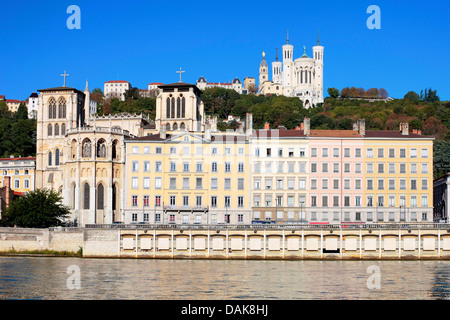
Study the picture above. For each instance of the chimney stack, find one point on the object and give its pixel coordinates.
(307, 126)
(248, 124)
(362, 127)
(9, 194)
(162, 131)
(404, 128)
(208, 131)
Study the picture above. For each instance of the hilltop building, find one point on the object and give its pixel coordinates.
(302, 77)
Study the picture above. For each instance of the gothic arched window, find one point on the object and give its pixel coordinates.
(182, 126)
(73, 196)
(172, 108)
(56, 129)
(101, 149)
(178, 107)
(114, 149)
(63, 129)
(175, 126)
(100, 197)
(183, 107)
(61, 108)
(52, 108)
(86, 196)
(50, 158)
(86, 152)
(57, 157)
(49, 130)
(168, 127)
(168, 108)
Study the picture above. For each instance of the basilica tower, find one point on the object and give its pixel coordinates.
(318, 69)
(277, 74)
(263, 71)
(288, 51)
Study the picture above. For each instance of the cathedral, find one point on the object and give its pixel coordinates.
(302, 77)
(81, 155)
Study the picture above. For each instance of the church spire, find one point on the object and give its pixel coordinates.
(87, 86)
(276, 56)
(317, 37)
(287, 40)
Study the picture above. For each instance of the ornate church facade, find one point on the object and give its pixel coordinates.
(82, 155)
(302, 77)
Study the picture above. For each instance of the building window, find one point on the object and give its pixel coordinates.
(241, 184)
(214, 167)
(134, 183)
(240, 201)
(227, 184)
(213, 201)
(57, 157)
(100, 196)
(157, 201)
(101, 149)
(50, 158)
(213, 183)
(227, 201)
(86, 196)
(135, 166)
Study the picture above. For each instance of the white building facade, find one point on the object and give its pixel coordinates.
(302, 77)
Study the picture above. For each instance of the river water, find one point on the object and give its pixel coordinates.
(51, 278)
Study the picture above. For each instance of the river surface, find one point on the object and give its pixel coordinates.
(51, 278)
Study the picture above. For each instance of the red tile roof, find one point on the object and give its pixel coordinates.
(117, 81)
(17, 159)
(283, 133)
(394, 134)
(335, 133)
(13, 101)
(155, 83)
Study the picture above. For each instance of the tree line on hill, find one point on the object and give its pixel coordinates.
(358, 93)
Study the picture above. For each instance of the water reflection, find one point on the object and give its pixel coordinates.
(46, 278)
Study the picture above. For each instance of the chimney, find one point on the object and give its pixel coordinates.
(208, 131)
(404, 128)
(266, 126)
(307, 126)
(9, 194)
(162, 131)
(362, 127)
(301, 126)
(248, 124)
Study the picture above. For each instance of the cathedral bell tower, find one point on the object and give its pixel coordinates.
(277, 74)
(263, 71)
(288, 51)
(318, 68)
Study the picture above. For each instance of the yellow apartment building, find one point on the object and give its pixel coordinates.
(187, 178)
(21, 172)
(398, 169)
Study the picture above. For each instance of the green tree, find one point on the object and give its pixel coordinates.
(41, 208)
(333, 92)
(412, 96)
(22, 112)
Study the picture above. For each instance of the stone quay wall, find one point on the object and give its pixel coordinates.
(240, 242)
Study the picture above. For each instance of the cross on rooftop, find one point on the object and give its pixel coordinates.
(180, 72)
(64, 75)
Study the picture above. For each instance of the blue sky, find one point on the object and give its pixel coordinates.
(148, 41)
